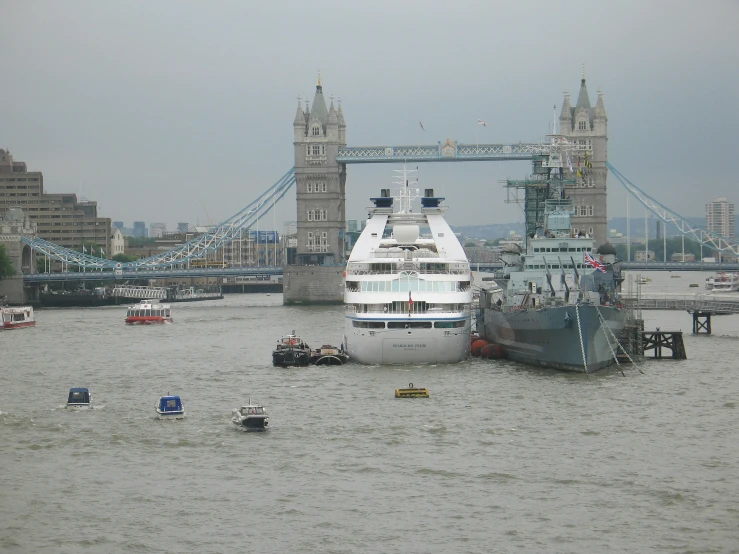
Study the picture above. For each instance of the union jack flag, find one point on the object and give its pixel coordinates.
(592, 262)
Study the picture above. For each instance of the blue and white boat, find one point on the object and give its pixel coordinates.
(79, 397)
(170, 407)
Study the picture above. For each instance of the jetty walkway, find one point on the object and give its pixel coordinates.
(726, 303)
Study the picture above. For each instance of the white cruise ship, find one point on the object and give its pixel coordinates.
(408, 289)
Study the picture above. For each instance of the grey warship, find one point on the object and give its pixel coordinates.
(555, 304)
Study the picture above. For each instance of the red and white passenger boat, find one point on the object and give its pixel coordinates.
(15, 318)
(148, 312)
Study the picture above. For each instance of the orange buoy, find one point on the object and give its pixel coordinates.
(491, 351)
(477, 346)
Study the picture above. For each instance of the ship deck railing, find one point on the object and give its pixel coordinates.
(417, 270)
(427, 313)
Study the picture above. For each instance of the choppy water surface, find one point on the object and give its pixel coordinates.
(501, 458)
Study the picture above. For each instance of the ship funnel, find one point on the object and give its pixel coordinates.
(429, 200)
(385, 193)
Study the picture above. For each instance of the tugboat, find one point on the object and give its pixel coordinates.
(252, 417)
(291, 351)
(79, 398)
(16, 318)
(170, 407)
(329, 355)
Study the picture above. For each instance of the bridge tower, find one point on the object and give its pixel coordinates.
(14, 225)
(588, 126)
(320, 182)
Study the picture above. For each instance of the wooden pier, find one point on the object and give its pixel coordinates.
(658, 340)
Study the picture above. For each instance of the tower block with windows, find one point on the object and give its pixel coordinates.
(317, 276)
(588, 127)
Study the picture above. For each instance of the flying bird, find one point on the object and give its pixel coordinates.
(421, 124)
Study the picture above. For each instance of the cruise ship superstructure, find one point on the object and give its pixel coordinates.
(408, 289)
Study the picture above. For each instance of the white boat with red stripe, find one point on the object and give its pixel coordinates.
(16, 317)
(148, 312)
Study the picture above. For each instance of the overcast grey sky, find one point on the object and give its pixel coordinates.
(182, 110)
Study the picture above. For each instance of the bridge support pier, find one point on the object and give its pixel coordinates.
(313, 284)
(701, 322)
(13, 226)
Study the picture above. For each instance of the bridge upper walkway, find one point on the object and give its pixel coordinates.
(450, 151)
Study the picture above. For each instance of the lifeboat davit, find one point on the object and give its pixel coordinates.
(477, 347)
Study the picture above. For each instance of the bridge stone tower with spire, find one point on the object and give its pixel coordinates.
(588, 126)
(320, 181)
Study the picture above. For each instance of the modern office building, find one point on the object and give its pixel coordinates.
(183, 227)
(157, 230)
(139, 229)
(59, 217)
(720, 217)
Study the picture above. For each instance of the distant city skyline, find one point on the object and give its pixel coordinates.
(163, 122)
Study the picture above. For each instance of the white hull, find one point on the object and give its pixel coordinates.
(177, 415)
(407, 346)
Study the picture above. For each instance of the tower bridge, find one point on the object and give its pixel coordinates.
(321, 155)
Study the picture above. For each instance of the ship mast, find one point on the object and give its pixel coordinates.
(406, 194)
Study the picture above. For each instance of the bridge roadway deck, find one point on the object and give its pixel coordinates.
(152, 274)
(715, 303)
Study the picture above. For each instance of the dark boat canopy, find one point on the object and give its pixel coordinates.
(78, 396)
(170, 404)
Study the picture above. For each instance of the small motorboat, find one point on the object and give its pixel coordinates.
(291, 350)
(79, 398)
(412, 392)
(148, 312)
(252, 417)
(170, 407)
(329, 355)
(16, 318)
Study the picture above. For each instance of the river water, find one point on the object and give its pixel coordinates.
(501, 458)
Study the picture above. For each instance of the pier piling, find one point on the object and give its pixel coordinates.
(669, 340)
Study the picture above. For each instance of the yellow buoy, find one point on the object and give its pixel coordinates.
(412, 392)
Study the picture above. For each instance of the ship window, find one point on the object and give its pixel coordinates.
(409, 325)
(449, 324)
(369, 324)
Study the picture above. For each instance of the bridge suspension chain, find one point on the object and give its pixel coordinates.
(691, 230)
(198, 247)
